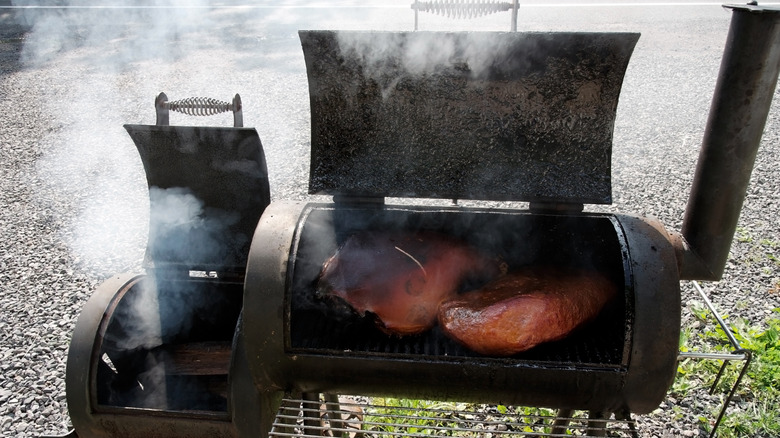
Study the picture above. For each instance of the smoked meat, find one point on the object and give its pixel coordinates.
(525, 308)
(403, 277)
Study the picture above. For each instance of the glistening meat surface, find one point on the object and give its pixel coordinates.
(402, 278)
(525, 308)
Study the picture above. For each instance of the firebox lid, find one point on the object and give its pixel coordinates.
(480, 115)
(208, 187)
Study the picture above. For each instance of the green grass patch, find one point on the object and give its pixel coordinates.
(755, 409)
(390, 416)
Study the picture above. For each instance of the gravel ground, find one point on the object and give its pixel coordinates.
(74, 202)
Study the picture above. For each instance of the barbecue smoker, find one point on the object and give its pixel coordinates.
(507, 116)
(463, 116)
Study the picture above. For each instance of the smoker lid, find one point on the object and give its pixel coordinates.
(482, 115)
(208, 187)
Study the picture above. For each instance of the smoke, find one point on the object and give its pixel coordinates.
(106, 61)
(110, 60)
(162, 30)
(104, 64)
(182, 230)
(422, 53)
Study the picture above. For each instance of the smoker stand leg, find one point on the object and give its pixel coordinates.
(626, 416)
(333, 409)
(739, 353)
(311, 413)
(560, 423)
(597, 424)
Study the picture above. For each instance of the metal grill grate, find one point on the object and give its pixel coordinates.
(347, 417)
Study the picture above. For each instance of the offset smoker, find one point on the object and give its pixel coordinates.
(520, 117)
(152, 355)
(485, 122)
(503, 116)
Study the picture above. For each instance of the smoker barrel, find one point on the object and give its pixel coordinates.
(152, 355)
(300, 344)
(498, 116)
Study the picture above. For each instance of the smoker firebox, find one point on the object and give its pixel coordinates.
(152, 355)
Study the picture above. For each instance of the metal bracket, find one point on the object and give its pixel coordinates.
(738, 353)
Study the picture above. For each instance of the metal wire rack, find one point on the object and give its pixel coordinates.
(347, 417)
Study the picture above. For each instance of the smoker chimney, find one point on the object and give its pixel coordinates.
(740, 105)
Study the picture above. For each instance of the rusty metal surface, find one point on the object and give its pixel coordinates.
(505, 116)
(738, 113)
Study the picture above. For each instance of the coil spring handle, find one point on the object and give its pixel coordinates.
(466, 9)
(197, 106)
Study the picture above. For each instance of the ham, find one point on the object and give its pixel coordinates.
(525, 308)
(402, 277)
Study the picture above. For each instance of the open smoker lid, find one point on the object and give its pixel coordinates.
(208, 187)
(487, 115)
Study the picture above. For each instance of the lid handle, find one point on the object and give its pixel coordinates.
(198, 106)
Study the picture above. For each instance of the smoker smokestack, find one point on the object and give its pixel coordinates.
(740, 105)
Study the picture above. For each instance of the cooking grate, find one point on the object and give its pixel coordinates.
(348, 417)
(315, 333)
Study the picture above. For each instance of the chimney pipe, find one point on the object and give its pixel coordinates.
(738, 113)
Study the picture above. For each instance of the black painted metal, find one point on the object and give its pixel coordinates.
(130, 367)
(481, 115)
(289, 354)
(208, 187)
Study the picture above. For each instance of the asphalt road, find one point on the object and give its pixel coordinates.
(74, 192)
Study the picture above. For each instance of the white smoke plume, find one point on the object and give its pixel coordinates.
(420, 56)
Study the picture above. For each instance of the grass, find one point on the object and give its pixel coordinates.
(402, 415)
(754, 411)
(759, 251)
(422, 417)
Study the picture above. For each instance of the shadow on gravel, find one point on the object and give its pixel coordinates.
(119, 38)
(12, 34)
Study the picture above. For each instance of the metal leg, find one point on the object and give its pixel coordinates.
(626, 416)
(748, 357)
(333, 411)
(597, 423)
(311, 413)
(560, 424)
